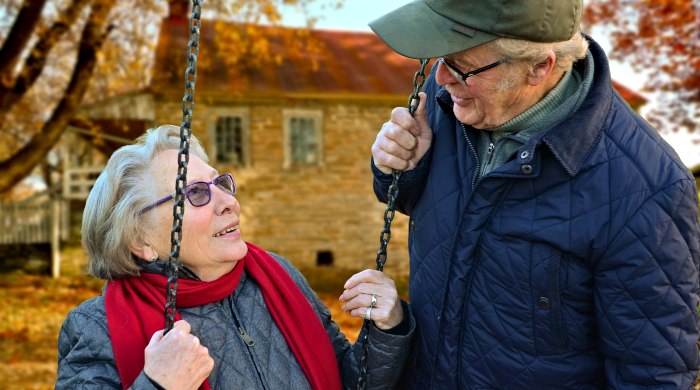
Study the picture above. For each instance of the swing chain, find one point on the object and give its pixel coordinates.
(385, 235)
(183, 157)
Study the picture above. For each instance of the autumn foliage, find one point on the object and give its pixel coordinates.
(660, 38)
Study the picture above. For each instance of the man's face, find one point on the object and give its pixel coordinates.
(484, 102)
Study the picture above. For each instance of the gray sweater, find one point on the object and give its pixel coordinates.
(86, 359)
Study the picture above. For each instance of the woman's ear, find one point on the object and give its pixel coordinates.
(541, 71)
(144, 251)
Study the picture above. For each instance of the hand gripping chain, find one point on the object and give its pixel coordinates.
(385, 235)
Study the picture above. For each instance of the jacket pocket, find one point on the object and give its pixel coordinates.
(546, 271)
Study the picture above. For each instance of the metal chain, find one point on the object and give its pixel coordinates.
(385, 235)
(183, 158)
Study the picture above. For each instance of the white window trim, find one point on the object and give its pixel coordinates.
(216, 112)
(287, 115)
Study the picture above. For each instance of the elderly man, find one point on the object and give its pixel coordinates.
(554, 235)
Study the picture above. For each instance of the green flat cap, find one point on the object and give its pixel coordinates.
(436, 28)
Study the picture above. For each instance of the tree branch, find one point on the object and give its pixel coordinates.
(19, 35)
(94, 34)
(35, 61)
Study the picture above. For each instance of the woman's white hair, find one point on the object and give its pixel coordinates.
(530, 53)
(112, 221)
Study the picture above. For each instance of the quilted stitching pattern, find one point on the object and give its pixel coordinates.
(582, 275)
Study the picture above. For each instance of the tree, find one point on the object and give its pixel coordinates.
(660, 38)
(58, 55)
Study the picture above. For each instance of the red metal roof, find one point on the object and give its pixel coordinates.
(343, 63)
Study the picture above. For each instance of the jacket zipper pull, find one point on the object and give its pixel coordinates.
(246, 337)
(492, 147)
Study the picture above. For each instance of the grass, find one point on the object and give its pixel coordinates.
(34, 308)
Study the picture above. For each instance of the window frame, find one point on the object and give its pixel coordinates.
(317, 117)
(214, 114)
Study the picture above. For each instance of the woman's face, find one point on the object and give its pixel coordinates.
(211, 236)
(483, 103)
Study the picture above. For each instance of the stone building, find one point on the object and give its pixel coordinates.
(296, 135)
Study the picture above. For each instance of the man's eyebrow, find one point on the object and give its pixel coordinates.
(461, 62)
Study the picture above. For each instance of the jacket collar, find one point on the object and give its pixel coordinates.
(572, 140)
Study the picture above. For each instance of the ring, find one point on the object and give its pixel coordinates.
(374, 301)
(368, 314)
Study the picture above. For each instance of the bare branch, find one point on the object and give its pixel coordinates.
(34, 152)
(14, 44)
(34, 63)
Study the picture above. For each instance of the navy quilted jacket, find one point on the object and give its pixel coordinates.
(572, 266)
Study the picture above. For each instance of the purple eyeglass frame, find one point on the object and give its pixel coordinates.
(209, 183)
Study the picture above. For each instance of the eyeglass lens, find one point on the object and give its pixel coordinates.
(199, 193)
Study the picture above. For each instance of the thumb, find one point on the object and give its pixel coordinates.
(420, 115)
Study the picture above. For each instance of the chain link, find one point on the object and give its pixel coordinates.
(385, 235)
(183, 158)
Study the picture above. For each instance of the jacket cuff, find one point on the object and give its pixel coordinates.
(143, 382)
(407, 177)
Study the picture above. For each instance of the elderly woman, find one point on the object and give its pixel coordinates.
(247, 319)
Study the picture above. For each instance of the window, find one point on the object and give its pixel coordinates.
(324, 258)
(303, 141)
(229, 137)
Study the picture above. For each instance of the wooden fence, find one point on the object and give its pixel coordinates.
(39, 219)
(30, 221)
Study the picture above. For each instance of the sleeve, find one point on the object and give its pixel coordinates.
(85, 357)
(646, 294)
(387, 352)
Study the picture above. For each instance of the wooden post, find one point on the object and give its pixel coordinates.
(55, 237)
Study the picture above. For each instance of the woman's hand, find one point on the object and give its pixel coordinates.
(387, 311)
(177, 360)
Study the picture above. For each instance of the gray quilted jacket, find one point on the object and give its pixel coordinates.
(86, 360)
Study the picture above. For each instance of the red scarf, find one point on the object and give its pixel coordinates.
(135, 307)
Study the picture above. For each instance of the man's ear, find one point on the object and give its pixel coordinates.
(541, 71)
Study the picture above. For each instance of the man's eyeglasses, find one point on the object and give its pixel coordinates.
(461, 76)
(199, 193)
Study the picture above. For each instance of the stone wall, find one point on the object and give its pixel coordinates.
(301, 211)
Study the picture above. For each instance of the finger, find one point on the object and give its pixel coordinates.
(365, 276)
(398, 142)
(156, 337)
(403, 118)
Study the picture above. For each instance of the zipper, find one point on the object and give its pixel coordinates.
(246, 337)
(249, 342)
(476, 156)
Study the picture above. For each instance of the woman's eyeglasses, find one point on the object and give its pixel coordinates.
(199, 193)
(461, 76)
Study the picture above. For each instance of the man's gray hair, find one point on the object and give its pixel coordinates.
(531, 53)
(112, 222)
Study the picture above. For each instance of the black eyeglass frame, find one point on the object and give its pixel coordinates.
(187, 192)
(461, 76)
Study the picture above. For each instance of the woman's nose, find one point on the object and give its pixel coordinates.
(225, 202)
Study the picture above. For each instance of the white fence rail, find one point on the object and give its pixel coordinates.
(30, 221)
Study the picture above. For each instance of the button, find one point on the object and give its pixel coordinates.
(543, 303)
(524, 154)
(527, 169)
